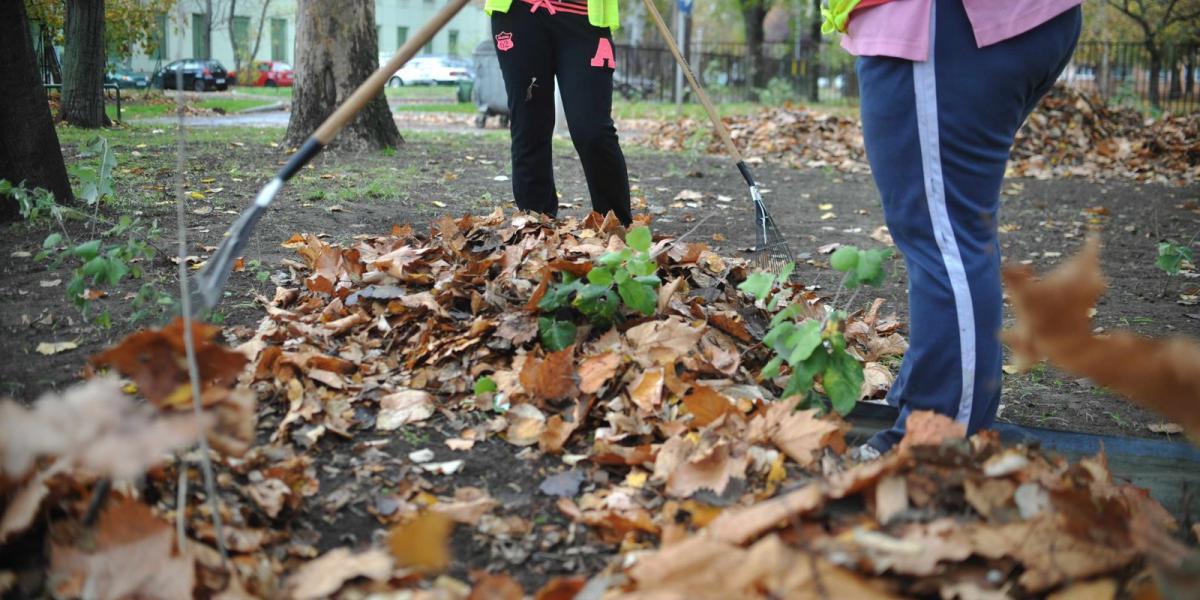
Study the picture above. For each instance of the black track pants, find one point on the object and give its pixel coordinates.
(533, 48)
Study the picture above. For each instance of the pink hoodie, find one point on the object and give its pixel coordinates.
(901, 28)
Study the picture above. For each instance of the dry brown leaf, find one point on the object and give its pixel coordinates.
(558, 430)
(423, 543)
(525, 425)
(891, 498)
(133, 556)
(802, 434)
(917, 549)
(155, 360)
(495, 587)
(550, 378)
(323, 577)
(736, 526)
(707, 405)
(561, 588)
(1049, 555)
(991, 497)
(269, 495)
(663, 342)
(402, 408)
(469, 505)
(1100, 589)
(646, 390)
(1053, 321)
(927, 428)
(92, 425)
(596, 371)
(710, 469)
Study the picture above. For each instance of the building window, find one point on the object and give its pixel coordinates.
(401, 36)
(279, 33)
(241, 38)
(199, 27)
(452, 42)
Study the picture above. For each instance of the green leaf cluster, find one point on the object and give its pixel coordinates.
(1171, 257)
(628, 278)
(860, 266)
(815, 350)
(114, 254)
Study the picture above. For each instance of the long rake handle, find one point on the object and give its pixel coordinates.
(722, 131)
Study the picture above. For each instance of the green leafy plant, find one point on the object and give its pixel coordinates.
(114, 250)
(1171, 257)
(628, 277)
(815, 349)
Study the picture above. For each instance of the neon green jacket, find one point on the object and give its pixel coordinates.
(601, 13)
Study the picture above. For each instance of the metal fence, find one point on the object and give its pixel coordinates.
(729, 73)
(1123, 73)
(1120, 72)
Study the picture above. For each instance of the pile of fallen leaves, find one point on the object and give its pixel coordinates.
(666, 446)
(1070, 134)
(1076, 134)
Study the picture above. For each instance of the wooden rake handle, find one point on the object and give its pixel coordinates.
(722, 131)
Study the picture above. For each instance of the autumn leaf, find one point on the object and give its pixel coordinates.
(155, 360)
(402, 408)
(423, 543)
(707, 405)
(323, 577)
(596, 371)
(133, 556)
(1053, 322)
(550, 378)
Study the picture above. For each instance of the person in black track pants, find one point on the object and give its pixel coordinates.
(537, 41)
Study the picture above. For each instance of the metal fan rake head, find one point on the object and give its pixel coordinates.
(771, 250)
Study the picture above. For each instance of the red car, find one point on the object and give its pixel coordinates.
(271, 73)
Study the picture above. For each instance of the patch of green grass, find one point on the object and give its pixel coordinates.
(128, 136)
(455, 108)
(422, 91)
(136, 108)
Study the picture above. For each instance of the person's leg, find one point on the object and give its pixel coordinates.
(523, 46)
(584, 63)
(938, 135)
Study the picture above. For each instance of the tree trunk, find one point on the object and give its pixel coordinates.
(209, 19)
(336, 50)
(233, 41)
(814, 54)
(262, 20)
(29, 150)
(1155, 68)
(83, 65)
(752, 20)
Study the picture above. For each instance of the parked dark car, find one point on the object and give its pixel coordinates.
(126, 79)
(198, 74)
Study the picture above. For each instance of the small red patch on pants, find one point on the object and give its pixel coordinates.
(604, 55)
(504, 41)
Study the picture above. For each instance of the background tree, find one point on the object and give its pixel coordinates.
(129, 24)
(753, 12)
(337, 48)
(84, 64)
(244, 51)
(29, 150)
(1159, 21)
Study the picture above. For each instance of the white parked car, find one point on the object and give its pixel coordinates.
(431, 70)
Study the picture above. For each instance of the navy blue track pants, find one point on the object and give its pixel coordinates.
(938, 135)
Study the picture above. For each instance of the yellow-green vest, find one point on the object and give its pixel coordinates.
(601, 13)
